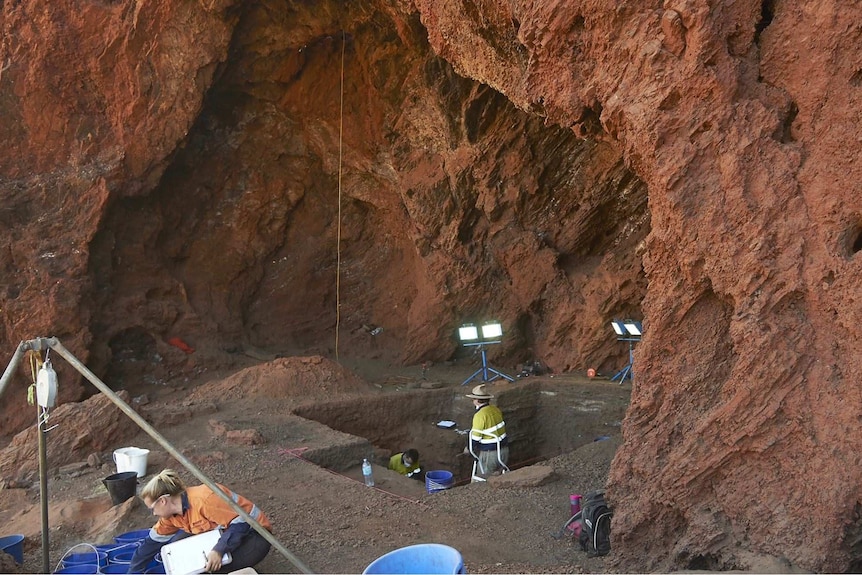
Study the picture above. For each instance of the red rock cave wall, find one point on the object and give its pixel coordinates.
(180, 169)
(222, 229)
(743, 120)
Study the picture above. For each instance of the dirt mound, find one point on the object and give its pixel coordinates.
(312, 377)
(7, 564)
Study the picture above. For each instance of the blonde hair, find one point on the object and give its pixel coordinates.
(165, 483)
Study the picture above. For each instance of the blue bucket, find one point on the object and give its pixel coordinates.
(14, 546)
(107, 548)
(82, 568)
(132, 536)
(121, 550)
(438, 481)
(431, 558)
(97, 558)
(117, 568)
(123, 558)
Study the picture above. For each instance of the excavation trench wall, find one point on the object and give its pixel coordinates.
(541, 423)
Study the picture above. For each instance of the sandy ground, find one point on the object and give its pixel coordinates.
(327, 518)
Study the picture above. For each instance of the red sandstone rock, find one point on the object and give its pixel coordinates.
(744, 140)
(245, 437)
(524, 477)
(218, 428)
(93, 425)
(178, 169)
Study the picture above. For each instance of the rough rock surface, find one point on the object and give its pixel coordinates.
(8, 564)
(230, 216)
(74, 431)
(180, 170)
(526, 477)
(743, 120)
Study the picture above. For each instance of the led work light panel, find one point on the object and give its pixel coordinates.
(492, 331)
(468, 333)
(633, 327)
(619, 328)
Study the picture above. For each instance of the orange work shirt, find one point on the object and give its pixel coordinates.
(207, 511)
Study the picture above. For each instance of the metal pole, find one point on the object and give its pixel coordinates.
(13, 363)
(43, 488)
(34, 345)
(142, 423)
(484, 364)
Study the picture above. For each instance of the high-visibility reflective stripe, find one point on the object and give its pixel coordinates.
(487, 435)
(154, 535)
(483, 432)
(495, 428)
(490, 440)
(254, 513)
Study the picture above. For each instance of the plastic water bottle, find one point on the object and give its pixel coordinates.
(366, 473)
(575, 527)
(575, 502)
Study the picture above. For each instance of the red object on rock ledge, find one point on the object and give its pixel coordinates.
(178, 343)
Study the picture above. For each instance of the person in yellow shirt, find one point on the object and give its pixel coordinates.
(487, 431)
(406, 463)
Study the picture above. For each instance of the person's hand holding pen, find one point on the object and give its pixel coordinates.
(213, 559)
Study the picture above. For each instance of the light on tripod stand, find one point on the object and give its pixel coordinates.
(492, 332)
(630, 331)
(468, 333)
(633, 327)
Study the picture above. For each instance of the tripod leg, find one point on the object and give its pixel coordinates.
(500, 374)
(485, 366)
(469, 379)
(627, 372)
(621, 373)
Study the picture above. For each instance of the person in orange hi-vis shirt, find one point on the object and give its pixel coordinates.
(196, 510)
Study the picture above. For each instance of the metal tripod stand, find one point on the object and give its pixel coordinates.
(486, 369)
(626, 372)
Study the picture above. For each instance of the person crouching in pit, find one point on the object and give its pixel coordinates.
(197, 510)
(407, 463)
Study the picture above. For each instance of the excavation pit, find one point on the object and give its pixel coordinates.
(544, 417)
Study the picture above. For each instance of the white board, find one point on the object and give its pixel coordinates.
(188, 556)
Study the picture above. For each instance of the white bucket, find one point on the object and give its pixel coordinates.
(131, 459)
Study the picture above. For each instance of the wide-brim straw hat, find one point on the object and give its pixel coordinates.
(480, 393)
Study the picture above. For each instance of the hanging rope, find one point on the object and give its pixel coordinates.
(35, 363)
(338, 232)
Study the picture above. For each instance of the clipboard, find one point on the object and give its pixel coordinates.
(189, 555)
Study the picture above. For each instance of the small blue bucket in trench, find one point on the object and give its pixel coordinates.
(438, 480)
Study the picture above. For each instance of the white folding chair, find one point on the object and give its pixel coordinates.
(476, 463)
